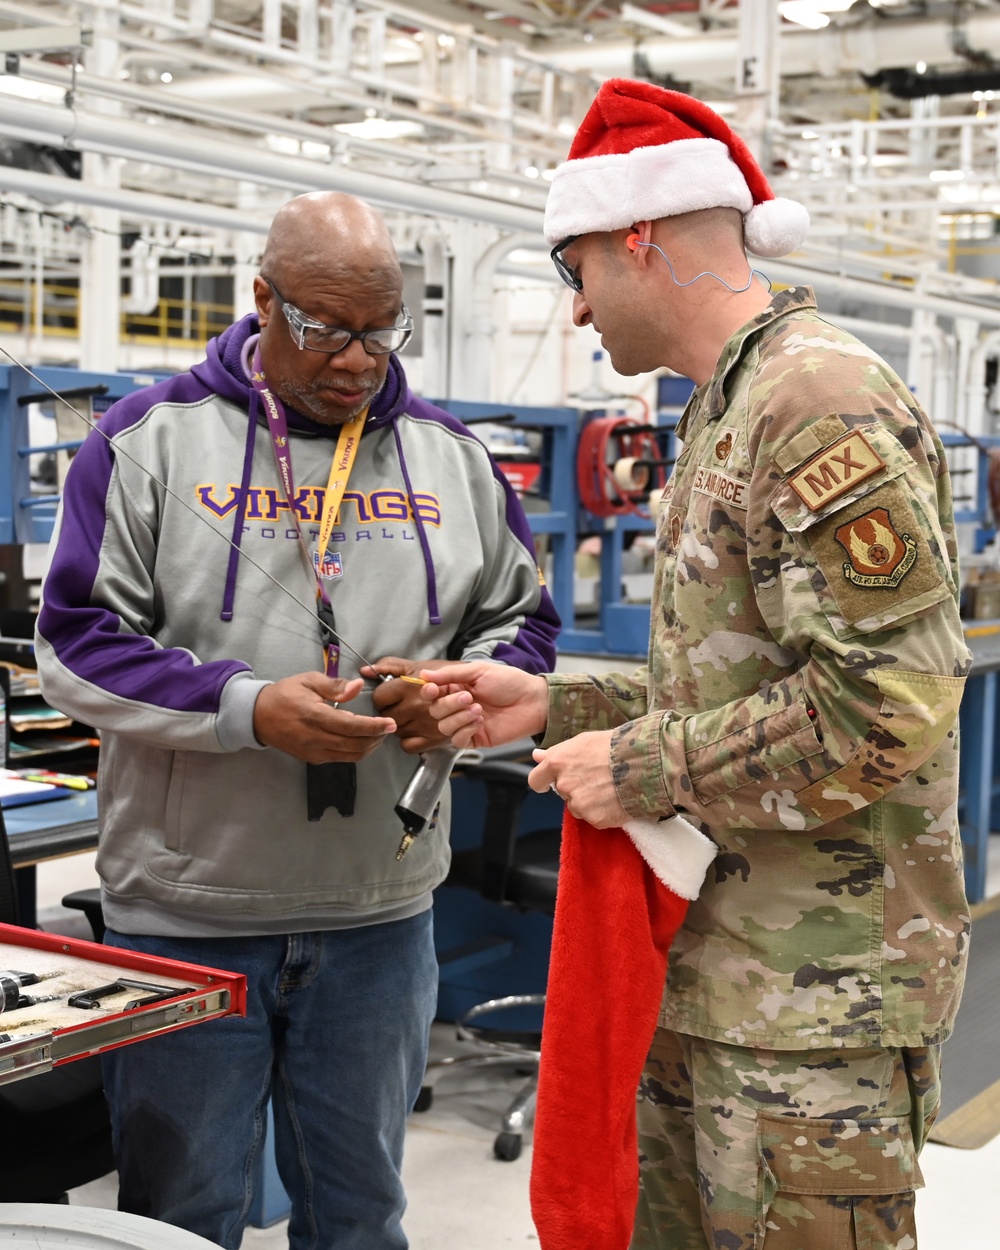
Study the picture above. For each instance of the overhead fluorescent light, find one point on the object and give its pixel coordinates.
(803, 13)
(382, 128)
(812, 13)
(653, 21)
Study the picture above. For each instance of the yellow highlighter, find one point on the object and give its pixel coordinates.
(67, 781)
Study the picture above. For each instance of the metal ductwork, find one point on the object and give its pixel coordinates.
(861, 48)
(907, 84)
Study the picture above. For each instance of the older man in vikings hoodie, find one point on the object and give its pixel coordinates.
(233, 545)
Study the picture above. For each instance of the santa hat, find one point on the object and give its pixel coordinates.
(621, 900)
(642, 153)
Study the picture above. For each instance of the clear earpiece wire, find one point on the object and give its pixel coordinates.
(706, 273)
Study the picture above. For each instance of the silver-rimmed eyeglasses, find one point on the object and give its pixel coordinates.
(314, 336)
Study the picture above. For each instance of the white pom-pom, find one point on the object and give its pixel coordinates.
(775, 227)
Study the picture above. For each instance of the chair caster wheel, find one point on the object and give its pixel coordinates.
(507, 1146)
(424, 1099)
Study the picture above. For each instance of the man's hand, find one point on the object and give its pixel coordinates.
(294, 715)
(416, 727)
(482, 705)
(579, 770)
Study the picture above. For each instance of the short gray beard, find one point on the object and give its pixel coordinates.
(302, 397)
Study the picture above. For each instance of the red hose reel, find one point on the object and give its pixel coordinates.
(618, 464)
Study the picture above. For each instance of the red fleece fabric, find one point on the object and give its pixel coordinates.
(614, 924)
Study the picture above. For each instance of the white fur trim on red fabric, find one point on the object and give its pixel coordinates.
(678, 853)
(601, 193)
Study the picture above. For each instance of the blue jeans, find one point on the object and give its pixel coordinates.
(336, 1029)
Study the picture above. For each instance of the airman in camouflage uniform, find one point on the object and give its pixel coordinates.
(805, 668)
(806, 663)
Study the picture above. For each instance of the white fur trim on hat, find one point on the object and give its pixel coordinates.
(775, 227)
(678, 853)
(595, 194)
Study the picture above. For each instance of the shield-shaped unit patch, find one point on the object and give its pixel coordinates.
(878, 555)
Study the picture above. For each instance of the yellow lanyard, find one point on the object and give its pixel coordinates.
(340, 471)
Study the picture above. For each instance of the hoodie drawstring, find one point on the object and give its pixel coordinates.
(229, 594)
(432, 599)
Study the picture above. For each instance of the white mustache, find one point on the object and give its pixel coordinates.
(340, 386)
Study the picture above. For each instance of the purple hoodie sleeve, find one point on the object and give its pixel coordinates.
(95, 657)
(533, 647)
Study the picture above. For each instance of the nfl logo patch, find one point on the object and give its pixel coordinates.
(331, 565)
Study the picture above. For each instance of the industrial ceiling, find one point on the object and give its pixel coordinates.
(206, 114)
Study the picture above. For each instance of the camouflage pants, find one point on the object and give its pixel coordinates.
(747, 1149)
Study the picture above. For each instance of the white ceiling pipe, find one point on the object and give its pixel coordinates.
(943, 370)
(424, 161)
(168, 103)
(797, 274)
(971, 416)
(216, 158)
(437, 311)
(955, 284)
(865, 325)
(541, 273)
(479, 342)
(137, 204)
(871, 208)
(834, 50)
(842, 131)
(144, 279)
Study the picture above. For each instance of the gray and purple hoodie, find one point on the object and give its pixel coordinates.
(154, 630)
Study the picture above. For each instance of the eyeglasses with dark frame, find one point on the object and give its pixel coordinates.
(314, 336)
(566, 271)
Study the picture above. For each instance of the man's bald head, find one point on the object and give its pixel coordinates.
(329, 261)
(326, 235)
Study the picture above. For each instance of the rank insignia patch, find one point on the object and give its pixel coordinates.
(724, 444)
(878, 556)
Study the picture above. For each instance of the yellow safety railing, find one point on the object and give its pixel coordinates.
(174, 322)
(982, 246)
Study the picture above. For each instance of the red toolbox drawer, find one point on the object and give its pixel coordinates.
(102, 997)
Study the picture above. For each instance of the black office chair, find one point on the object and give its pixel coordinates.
(513, 870)
(55, 1132)
(88, 901)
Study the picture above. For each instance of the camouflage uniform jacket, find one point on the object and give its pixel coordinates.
(801, 698)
